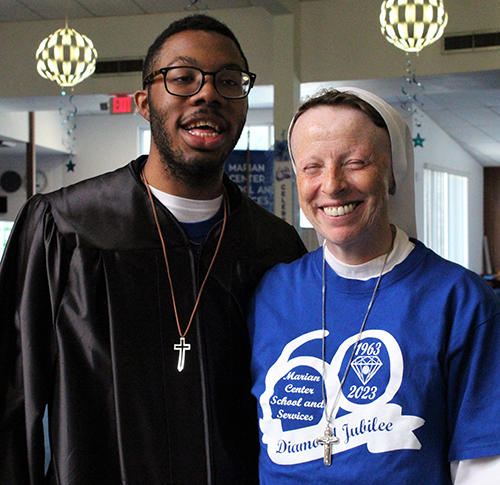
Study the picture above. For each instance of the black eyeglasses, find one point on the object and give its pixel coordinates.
(186, 81)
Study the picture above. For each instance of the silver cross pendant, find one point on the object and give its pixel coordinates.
(182, 346)
(327, 441)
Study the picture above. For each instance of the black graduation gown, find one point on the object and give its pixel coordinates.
(87, 328)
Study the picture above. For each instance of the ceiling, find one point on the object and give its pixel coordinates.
(465, 105)
(28, 10)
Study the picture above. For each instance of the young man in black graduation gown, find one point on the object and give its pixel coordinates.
(143, 385)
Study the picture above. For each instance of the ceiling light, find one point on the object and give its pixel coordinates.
(412, 25)
(66, 57)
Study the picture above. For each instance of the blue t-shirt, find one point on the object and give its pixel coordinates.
(197, 232)
(423, 388)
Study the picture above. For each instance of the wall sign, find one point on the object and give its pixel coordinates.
(252, 171)
(283, 190)
(121, 105)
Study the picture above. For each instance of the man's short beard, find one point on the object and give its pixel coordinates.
(196, 173)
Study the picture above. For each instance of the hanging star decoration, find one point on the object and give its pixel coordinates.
(67, 58)
(411, 25)
(418, 141)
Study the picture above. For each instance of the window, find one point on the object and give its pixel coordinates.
(144, 141)
(445, 214)
(5, 228)
(261, 137)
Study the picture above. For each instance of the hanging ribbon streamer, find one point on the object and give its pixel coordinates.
(67, 58)
(67, 111)
(411, 25)
(411, 88)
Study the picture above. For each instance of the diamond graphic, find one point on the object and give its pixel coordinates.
(366, 367)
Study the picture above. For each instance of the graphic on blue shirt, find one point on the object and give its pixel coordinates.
(293, 406)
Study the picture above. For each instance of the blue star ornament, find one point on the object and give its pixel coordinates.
(70, 166)
(418, 141)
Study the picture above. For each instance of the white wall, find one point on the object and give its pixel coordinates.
(49, 135)
(14, 125)
(50, 130)
(441, 151)
(52, 167)
(104, 143)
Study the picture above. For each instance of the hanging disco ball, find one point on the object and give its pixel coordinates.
(412, 24)
(66, 57)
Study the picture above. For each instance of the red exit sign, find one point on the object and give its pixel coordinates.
(121, 105)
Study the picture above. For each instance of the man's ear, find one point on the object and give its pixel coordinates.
(142, 103)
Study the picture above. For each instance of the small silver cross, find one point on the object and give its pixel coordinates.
(327, 441)
(182, 346)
